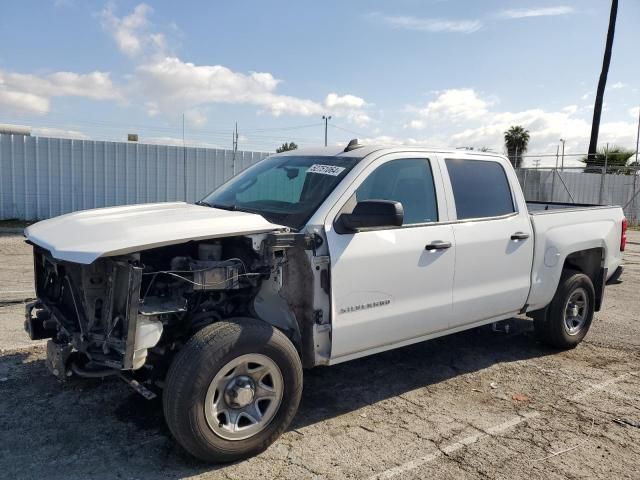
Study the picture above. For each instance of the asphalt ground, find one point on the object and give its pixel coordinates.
(479, 404)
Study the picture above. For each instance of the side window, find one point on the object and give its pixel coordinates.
(480, 188)
(409, 182)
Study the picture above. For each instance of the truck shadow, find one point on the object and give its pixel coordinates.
(44, 423)
(329, 392)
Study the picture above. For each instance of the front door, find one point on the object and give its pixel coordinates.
(387, 286)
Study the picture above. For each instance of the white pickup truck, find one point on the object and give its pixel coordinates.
(308, 258)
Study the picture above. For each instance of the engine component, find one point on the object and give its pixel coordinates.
(210, 251)
(41, 326)
(57, 359)
(209, 275)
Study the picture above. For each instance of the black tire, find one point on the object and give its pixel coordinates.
(196, 365)
(550, 324)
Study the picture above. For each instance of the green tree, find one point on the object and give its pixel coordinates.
(616, 158)
(286, 147)
(516, 139)
(602, 82)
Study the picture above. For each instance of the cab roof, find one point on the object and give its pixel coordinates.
(362, 151)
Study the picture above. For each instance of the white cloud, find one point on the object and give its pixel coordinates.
(433, 25)
(349, 107)
(22, 102)
(334, 100)
(172, 84)
(467, 119)
(195, 117)
(618, 85)
(457, 105)
(30, 93)
(536, 12)
(59, 132)
(634, 112)
(131, 32)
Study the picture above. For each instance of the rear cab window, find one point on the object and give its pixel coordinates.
(480, 188)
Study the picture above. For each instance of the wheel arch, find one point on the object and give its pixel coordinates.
(590, 262)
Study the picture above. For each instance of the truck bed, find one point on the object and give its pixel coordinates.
(552, 207)
(561, 228)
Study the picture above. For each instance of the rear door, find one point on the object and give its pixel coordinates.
(494, 241)
(386, 286)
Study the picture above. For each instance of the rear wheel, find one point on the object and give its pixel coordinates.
(232, 390)
(567, 319)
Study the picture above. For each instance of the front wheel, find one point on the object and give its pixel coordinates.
(232, 390)
(567, 319)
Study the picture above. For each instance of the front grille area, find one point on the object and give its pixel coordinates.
(95, 306)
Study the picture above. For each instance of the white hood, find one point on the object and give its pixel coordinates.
(83, 236)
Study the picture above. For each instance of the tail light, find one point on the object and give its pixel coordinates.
(623, 237)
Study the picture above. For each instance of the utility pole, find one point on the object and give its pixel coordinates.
(184, 161)
(602, 82)
(326, 119)
(235, 149)
(235, 138)
(562, 164)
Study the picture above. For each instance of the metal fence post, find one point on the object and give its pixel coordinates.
(634, 217)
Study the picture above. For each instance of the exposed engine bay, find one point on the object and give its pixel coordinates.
(133, 311)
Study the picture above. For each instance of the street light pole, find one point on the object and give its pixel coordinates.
(562, 164)
(326, 119)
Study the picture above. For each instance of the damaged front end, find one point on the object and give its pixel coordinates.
(90, 312)
(127, 312)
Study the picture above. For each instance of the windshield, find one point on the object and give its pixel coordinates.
(284, 189)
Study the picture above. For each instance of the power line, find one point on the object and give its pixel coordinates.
(348, 130)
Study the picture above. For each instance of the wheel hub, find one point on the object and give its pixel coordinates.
(240, 391)
(244, 396)
(573, 310)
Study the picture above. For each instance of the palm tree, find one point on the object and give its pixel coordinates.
(516, 139)
(597, 107)
(616, 158)
(286, 147)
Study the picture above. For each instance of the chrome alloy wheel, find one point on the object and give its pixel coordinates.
(244, 396)
(575, 311)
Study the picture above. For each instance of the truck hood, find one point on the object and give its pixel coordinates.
(84, 236)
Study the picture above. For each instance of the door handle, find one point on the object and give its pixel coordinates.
(437, 245)
(519, 236)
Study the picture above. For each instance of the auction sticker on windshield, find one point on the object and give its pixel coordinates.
(325, 169)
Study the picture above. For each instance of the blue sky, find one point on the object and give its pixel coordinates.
(437, 72)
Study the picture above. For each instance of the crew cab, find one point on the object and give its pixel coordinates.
(308, 258)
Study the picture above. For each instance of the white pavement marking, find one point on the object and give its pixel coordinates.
(454, 447)
(494, 430)
(602, 386)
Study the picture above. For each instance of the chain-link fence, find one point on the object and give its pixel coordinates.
(605, 180)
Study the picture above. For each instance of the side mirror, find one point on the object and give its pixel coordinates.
(371, 214)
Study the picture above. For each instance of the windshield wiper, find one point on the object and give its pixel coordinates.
(219, 206)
